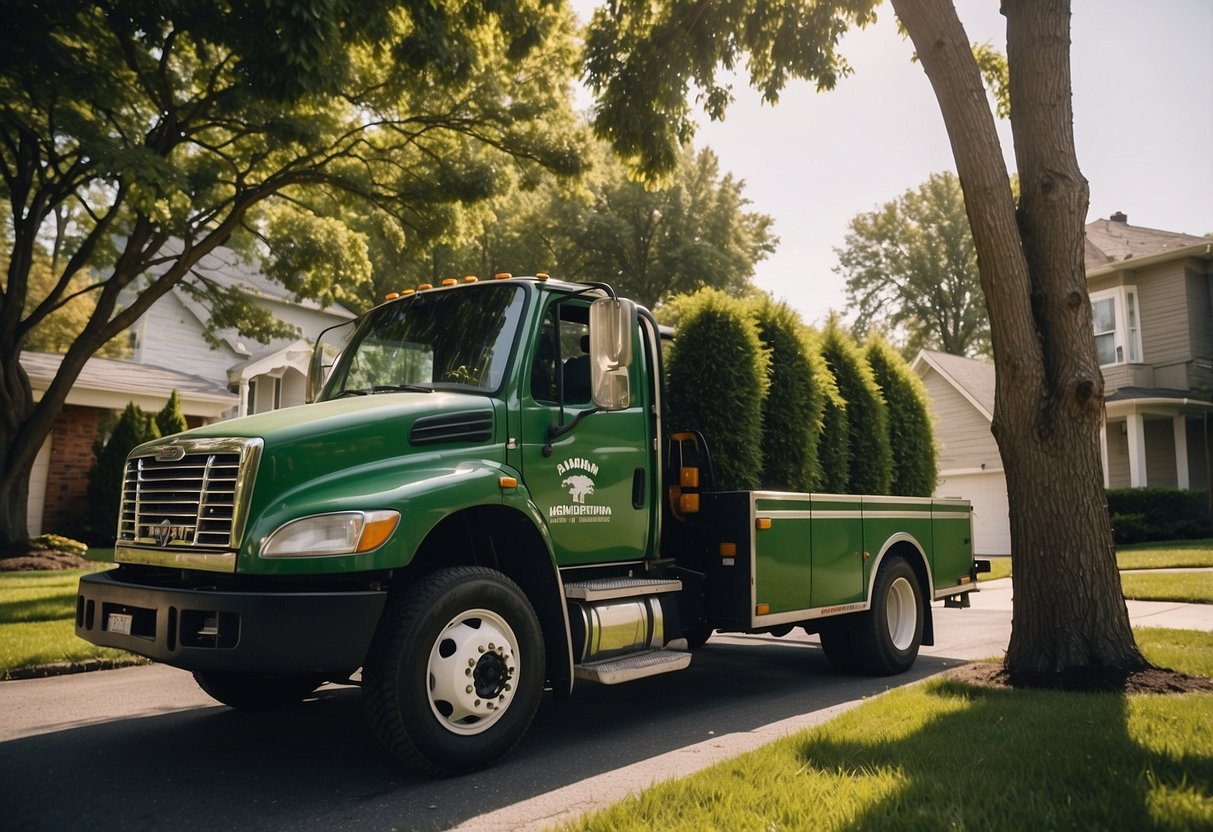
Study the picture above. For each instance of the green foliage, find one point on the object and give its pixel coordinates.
(717, 380)
(262, 126)
(171, 419)
(867, 420)
(911, 438)
(911, 271)
(133, 428)
(58, 543)
(1140, 514)
(791, 411)
(834, 447)
(649, 244)
(643, 58)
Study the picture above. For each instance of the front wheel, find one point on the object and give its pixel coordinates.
(455, 672)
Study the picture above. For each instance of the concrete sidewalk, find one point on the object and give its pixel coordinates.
(954, 639)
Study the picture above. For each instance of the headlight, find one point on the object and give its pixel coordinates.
(340, 533)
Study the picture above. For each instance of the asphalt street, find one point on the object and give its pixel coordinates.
(143, 748)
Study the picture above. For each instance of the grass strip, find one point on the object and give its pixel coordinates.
(1165, 555)
(948, 755)
(1185, 587)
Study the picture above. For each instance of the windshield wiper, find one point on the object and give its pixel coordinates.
(401, 388)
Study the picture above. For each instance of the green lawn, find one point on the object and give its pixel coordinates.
(37, 613)
(1170, 553)
(1187, 587)
(946, 755)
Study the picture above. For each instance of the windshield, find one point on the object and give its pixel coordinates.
(449, 340)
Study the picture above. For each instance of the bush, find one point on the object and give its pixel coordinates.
(871, 458)
(717, 380)
(58, 543)
(133, 428)
(911, 439)
(1160, 513)
(791, 413)
(1128, 528)
(171, 419)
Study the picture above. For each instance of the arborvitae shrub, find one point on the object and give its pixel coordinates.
(133, 428)
(791, 415)
(171, 419)
(717, 381)
(871, 461)
(833, 447)
(911, 439)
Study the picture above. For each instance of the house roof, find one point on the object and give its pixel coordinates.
(1115, 241)
(972, 378)
(112, 382)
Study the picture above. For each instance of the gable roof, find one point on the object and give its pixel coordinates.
(972, 378)
(1113, 241)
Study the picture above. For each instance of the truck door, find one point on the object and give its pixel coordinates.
(591, 484)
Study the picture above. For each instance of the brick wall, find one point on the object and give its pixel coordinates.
(67, 478)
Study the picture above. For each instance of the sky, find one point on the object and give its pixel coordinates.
(1143, 125)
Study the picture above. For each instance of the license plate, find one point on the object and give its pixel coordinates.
(119, 622)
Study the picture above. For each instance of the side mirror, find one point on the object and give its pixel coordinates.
(612, 327)
(324, 355)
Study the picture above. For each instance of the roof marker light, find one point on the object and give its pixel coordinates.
(450, 281)
(425, 286)
(391, 296)
(471, 278)
(502, 276)
(542, 275)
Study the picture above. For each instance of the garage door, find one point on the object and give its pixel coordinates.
(987, 491)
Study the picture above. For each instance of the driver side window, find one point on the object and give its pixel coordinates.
(562, 361)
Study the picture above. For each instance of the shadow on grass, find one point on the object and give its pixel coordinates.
(1006, 759)
(39, 609)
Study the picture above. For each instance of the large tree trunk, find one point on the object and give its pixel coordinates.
(1069, 612)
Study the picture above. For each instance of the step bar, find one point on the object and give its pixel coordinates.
(636, 666)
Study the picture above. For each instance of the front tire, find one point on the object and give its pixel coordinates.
(455, 672)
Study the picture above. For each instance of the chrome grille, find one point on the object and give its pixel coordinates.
(191, 501)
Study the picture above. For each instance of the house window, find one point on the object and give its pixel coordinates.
(1116, 322)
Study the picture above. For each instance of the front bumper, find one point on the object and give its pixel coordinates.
(211, 630)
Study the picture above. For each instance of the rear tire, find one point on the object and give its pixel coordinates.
(455, 672)
(883, 641)
(256, 692)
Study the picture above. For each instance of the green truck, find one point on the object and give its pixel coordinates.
(485, 502)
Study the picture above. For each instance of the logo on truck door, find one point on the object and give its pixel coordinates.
(577, 478)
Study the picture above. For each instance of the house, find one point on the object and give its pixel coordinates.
(59, 481)
(215, 379)
(265, 376)
(961, 391)
(1152, 307)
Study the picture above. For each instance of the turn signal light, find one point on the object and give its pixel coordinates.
(763, 523)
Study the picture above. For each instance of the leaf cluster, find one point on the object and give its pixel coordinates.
(644, 60)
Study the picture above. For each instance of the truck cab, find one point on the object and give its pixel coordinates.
(483, 503)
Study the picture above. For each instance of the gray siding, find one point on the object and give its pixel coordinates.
(1162, 294)
(1200, 318)
(171, 336)
(1118, 457)
(1160, 454)
(962, 433)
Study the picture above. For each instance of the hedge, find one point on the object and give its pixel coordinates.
(1140, 514)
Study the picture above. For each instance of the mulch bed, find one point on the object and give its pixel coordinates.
(43, 559)
(1150, 680)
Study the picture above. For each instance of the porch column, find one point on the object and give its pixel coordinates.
(243, 396)
(1180, 425)
(1136, 427)
(1103, 454)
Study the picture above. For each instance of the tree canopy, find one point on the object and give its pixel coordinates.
(650, 244)
(135, 138)
(911, 272)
